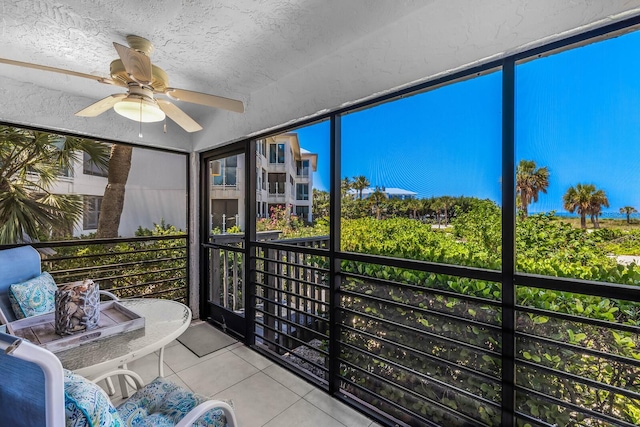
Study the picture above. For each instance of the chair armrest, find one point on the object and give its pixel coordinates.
(109, 295)
(137, 379)
(5, 322)
(205, 407)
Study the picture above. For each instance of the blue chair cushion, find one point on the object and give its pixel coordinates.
(86, 404)
(33, 297)
(162, 403)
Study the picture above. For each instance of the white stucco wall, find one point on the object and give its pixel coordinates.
(156, 189)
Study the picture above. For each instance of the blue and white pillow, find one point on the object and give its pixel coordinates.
(33, 297)
(86, 404)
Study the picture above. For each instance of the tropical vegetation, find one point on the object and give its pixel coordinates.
(585, 199)
(30, 164)
(628, 210)
(530, 182)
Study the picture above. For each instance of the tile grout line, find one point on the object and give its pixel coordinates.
(202, 359)
(337, 401)
(281, 412)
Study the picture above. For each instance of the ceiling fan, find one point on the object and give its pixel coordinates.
(142, 79)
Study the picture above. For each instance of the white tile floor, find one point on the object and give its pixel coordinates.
(263, 393)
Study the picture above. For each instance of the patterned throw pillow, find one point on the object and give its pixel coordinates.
(86, 404)
(33, 297)
(162, 403)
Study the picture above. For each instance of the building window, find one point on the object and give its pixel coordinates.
(302, 191)
(259, 177)
(302, 168)
(302, 212)
(91, 212)
(228, 172)
(90, 168)
(261, 147)
(264, 179)
(276, 153)
(277, 182)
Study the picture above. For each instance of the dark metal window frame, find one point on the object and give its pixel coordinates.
(507, 276)
(113, 141)
(302, 191)
(88, 222)
(89, 168)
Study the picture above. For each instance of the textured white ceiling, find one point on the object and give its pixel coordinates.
(284, 58)
(228, 47)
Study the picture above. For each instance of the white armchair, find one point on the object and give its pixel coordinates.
(36, 390)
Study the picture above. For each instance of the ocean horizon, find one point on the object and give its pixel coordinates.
(603, 215)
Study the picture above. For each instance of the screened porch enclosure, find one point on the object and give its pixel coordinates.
(460, 252)
(534, 330)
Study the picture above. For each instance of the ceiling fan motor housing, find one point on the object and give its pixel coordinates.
(159, 79)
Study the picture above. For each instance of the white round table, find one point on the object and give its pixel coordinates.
(165, 321)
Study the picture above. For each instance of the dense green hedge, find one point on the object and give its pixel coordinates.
(545, 246)
(129, 269)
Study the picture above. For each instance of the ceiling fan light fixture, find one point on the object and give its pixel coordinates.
(139, 110)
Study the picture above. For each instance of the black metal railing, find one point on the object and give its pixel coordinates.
(419, 347)
(225, 253)
(292, 304)
(139, 267)
(418, 343)
(421, 354)
(580, 366)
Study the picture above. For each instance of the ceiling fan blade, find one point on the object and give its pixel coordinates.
(178, 116)
(138, 65)
(61, 71)
(101, 106)
(205, 99)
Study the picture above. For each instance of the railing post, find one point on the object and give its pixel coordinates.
(225, 278)
(508, 245)
(334, 249)
(269, 308)
(235, 281)
(215, 274)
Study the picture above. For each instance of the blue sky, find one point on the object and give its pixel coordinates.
(577, 112)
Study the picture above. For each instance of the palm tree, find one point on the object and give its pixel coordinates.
(447, 203)
(413, 206)
(529, 183)
(360, 183)
(628, 210)
(375, 200)
(30, 163)
(345, 186)
(437, 206)
(585, 199)
(596, 202)
(113, 200)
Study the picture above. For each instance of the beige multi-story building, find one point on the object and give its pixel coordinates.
(284, 178)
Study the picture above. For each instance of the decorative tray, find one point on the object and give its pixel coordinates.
(114, 319)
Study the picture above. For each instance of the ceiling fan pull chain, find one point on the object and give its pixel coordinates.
(140, 132)
(164, 128)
